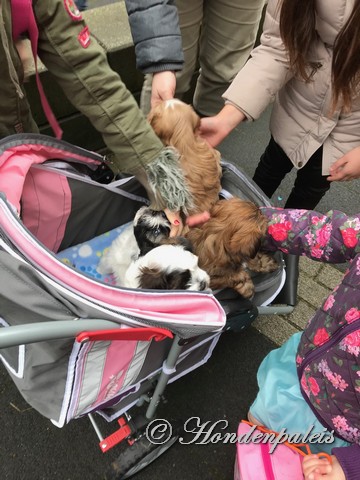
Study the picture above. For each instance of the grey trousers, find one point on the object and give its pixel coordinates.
(217, 36)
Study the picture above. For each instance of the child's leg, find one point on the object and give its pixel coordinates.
(280, 405)
(252, 419)
(310, 185)
(272, 168)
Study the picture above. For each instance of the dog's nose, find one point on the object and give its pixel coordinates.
(203, 285)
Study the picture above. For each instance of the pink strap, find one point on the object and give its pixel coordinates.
(267, 461)
(20, 12)
(24, 20)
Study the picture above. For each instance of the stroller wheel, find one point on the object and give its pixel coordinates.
(138, 456)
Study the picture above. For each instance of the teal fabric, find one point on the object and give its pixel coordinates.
(280, 404)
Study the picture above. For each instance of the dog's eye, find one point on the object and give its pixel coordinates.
(157, 232)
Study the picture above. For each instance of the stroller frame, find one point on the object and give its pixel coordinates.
(238, 315)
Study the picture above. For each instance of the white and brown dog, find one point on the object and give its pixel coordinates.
(145, 257)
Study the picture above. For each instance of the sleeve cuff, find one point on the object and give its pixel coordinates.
(249, 118)
(166, 67)
(349, 459)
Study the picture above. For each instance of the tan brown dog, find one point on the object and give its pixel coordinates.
(177, 124)
(227, 244)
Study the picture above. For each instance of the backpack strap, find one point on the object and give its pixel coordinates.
(23, 20)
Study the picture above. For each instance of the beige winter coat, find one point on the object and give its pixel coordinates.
(300, 121)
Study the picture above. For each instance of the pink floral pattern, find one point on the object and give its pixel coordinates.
(349, 433)
(352, 314)
(329, 348)
(335, 379)
(321, 336)
(351, 343)
(329, 302)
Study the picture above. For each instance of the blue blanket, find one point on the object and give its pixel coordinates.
(85, 257)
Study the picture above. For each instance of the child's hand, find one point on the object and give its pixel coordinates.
(197, 219)
(176, 222)
(163, 87)
(316, 468)
(215, 129)
(346, 168)
(177, 225)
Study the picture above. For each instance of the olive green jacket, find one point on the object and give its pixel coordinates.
(79, 65)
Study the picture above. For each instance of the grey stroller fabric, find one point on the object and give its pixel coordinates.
(58, 206)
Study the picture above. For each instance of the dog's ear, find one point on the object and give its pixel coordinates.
(157, 279)
(144, 244)
(246, 229)
(245, 243)
(182, 241)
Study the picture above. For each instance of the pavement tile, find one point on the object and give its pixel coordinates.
(310, 291)
(275, 327)
(301, 314)
(330, 276)
(310, 267)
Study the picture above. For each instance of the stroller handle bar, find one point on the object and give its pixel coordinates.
(83, 330)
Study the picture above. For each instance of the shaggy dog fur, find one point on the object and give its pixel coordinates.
(228, 244)
(176, 124)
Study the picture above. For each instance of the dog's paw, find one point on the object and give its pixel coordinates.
(243, 284)
(245, 289)
(262, 263)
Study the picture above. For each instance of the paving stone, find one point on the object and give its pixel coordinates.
(301, 314)
(309, 267)
(312, 292)
(329, 276)
(274, 327)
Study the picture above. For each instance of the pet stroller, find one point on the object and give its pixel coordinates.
(73, 343)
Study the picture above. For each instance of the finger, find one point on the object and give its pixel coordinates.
(337, 176)
(176, 223)
(338, 165)
(173, 217)
(341, 177)
(167, 95)
(316, 476)
(175, 231)
(312, 463)
(317, 468)
(154, 101)
(197, 219)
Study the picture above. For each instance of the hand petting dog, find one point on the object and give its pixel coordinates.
(177, 225)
